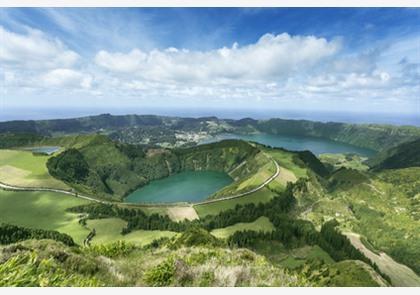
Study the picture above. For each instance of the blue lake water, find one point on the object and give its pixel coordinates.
(187, 186)
(297, 143)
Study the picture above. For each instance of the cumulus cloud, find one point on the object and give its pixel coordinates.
(119, 62)
(276, 70)
(271, 56)
(34, 50)
(67, 78)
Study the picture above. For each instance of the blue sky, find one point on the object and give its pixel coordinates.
(313, 59)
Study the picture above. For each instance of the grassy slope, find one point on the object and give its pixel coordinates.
(263, 168)
(47, 210)
(42, 210)
(337, 161)
(260, 224)
(22, 168)
(291, 258)
(400, 275)
(187, 266)
(354, 275)
(402, 156)
(383, 208)
(109, 230)
(285, 160)
(345, 273)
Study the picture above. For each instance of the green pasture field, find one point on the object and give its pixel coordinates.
(42, 210)
(260, 224)
(22, 168)
(285, 159)
(291, 258)
(264, 195)
(342, 160)
(109, 230)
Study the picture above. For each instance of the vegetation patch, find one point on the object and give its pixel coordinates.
(350, 161)
(42, 210)
(10, 234)
(264, 195)
(110, 230)
(22, 168)
(260, 224)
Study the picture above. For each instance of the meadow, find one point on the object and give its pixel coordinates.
(109, 230)
(22, 168)
(260, 224)
(264, 195)
(47, 210)
(43, 210)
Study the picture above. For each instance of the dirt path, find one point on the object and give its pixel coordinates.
(401, 275)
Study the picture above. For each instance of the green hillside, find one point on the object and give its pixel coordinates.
(373, 136)
(102, 167)
(402, 156)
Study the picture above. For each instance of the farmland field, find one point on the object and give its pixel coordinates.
(109, 230)
(262, 196)
(42, 210)
(22, 168)
(260, 224)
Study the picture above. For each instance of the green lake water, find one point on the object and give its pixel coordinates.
(188, 186)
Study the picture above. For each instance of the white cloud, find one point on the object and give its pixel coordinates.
(67, 78)
(33, 50)
(277, 70)
(271, 56)
(118, 62)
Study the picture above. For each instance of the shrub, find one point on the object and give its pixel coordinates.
(162, 274)
(115, 249)
(69, 166)
(10, 234)
(28, 270)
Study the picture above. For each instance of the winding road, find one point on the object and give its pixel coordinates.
(54, 190)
